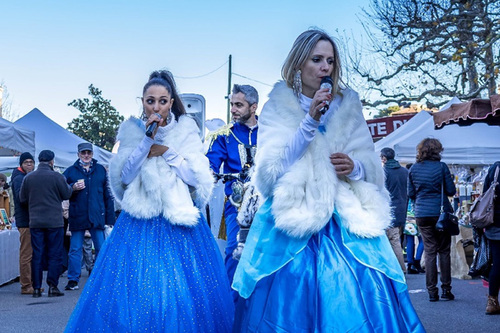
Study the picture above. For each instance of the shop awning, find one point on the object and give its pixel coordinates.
(464, 114)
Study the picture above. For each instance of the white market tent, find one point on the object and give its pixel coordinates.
(15, 137)
(50, 135)
(476, 144)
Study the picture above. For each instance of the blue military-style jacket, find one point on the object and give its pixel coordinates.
(230, 145)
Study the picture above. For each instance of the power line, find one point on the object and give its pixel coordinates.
(236, 74)
(197, 77)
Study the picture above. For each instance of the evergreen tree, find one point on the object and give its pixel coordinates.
(98, 120)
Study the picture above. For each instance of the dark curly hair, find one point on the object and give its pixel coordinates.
(429, 149)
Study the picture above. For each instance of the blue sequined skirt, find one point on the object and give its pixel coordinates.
(332, 282)
(153, 276)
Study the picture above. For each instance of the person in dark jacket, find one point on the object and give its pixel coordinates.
(396, 182)
(492, 232)
(91, 207)
(21, 214)
(44, 190)
(428, 181)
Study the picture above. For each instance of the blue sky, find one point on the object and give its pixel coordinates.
(51, 51)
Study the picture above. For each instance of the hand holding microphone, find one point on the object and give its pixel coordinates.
(152, 127)
(326, 83)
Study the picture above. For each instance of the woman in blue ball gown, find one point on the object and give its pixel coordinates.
(160, 270)
(317, 258)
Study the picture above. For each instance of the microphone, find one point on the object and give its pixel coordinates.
(152, 127)
(326, 83)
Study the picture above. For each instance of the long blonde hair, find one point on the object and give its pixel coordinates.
(302, 48)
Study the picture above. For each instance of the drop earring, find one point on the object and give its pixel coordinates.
(297, 83)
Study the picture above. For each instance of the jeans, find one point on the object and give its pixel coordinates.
(494, 278)
(410, 248)
(49, 241)
(436, 244)
(75, 251)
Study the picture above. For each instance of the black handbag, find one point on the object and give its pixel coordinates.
(447, 222)
(481, 264)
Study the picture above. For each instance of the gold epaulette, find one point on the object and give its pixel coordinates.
(224, 130)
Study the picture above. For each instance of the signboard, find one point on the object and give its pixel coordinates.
(382, 127)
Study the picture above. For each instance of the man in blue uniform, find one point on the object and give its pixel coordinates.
(234, 145)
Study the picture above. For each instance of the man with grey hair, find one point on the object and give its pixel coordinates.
(234, 147)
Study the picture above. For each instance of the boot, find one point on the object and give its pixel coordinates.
(411, 269)
(418, 267)
(492, 307)
(447, 295)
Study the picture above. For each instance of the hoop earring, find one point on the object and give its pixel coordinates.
(297, 83)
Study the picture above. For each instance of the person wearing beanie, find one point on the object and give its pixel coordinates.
(26, 156)
(396, 179)
(91, 207)
(43, 190)
(21, 214)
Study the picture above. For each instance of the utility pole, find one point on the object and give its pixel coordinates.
(229, 90)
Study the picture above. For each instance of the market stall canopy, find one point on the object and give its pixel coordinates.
(16, 138)
(403, 132)
(476, 144)
(50, 135)
(464, 114)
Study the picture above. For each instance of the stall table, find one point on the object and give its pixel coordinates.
(9, 255)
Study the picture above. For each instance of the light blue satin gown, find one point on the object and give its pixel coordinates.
(333, 281)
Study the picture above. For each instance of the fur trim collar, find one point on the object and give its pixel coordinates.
(305, 196)
(157, 190)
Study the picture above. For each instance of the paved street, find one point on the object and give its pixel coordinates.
(22, 313)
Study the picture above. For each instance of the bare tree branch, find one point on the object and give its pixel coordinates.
(432, 50)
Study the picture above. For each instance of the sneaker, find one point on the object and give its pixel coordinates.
(447, 296)
(72, 285)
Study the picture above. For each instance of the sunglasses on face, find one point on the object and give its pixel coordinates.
(86, 152)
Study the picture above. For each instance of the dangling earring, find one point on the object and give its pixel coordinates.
(297, 83)
(169, 117)
(143, 115)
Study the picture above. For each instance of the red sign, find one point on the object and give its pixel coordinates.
(381, 127)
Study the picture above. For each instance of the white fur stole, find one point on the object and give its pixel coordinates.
(305, 196)
(157, 189)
